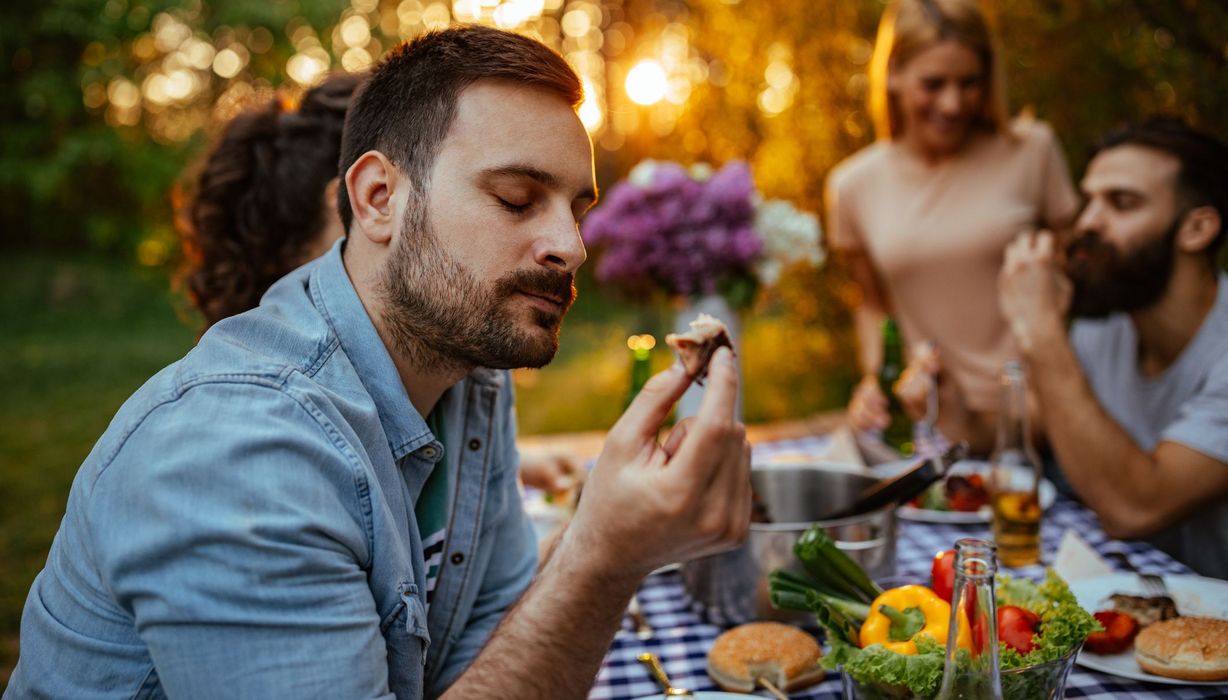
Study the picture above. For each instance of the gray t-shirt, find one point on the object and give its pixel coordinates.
(1187, 404)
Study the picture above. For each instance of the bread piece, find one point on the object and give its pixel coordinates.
(1187, 648)
(1148, 610)
(696, 347)
(783, 654)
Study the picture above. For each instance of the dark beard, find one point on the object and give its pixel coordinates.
(442, 319)
(1107, 281)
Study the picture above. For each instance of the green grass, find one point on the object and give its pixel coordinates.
(79, 337)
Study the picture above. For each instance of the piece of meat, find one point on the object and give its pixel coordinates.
(1146, 609)
(696, 347)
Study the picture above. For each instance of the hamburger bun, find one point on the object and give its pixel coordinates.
(1186, 648)
(782, 654)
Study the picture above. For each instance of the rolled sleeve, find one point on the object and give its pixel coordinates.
(240, 551)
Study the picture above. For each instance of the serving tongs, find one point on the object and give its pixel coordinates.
(906, 485)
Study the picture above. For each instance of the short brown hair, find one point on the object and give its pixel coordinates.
(408, 104)
(907, 28)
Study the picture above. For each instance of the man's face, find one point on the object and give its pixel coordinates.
(483, 272)
(1124, 246)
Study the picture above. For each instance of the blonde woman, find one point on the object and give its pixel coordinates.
(923, 215)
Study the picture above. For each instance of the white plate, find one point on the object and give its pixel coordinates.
(1194, 595)
(705, 695)
(1048, 493)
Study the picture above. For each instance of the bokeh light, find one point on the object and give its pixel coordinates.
(646, 83)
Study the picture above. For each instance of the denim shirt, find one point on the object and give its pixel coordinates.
(245, 526)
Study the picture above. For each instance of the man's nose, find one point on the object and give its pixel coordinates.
(1090, 219)
(559, 246)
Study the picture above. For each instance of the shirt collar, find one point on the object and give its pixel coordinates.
(334, 294)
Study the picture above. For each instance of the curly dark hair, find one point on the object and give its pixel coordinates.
(258, 203)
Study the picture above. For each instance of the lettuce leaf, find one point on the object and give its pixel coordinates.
(920, 673)
(1064, 624)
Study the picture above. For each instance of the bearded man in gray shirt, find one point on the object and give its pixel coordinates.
(1134, 400)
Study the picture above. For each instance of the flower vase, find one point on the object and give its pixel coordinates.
(685, 311)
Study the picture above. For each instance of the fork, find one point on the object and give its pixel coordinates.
(643, 630)
(1152, 584)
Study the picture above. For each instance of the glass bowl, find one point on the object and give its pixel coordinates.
(1038, 682)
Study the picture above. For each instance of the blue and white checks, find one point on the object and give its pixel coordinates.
(682, 637)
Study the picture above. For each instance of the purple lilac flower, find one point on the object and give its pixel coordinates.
(676, 234)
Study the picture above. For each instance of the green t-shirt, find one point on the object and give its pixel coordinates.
(431, 510)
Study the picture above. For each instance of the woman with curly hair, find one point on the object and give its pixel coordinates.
(264, 200)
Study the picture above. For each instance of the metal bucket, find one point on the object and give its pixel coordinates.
(733, 587)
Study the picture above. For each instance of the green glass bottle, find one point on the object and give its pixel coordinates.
(641, 364)
(898, 434)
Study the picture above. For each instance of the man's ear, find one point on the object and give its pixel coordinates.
(371, 184)
(1201, 226)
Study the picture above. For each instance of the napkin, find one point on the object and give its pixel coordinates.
(1076, 559)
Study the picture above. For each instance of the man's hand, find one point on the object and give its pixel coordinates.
(918, 379)
(868, 407)
(1033, 294)
(552, 472)
(648, 504)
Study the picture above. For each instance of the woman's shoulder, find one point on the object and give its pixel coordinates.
(865, 164)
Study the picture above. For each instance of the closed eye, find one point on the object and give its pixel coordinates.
(518, 209)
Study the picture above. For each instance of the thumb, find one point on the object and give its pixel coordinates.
(643, 418)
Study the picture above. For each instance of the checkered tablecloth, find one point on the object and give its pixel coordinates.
(682, 636)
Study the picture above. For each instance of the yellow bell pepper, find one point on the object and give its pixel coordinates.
(937, 615)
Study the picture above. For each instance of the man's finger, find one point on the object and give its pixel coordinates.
(676, 435)
(643, 418)
(1044, 245)
(720, 389)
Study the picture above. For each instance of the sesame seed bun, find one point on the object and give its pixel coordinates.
(783, 654)
(1186, 648)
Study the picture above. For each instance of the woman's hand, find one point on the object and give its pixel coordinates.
(918, 379)
(868, 407)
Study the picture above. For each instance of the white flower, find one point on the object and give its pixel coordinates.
(789, 236)
(700, 172)
(641, 174)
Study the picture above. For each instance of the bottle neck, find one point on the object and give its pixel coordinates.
(1013, 424)
(973, 673)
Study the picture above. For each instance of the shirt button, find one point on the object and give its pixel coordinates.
(428, 452)
(474, 444)
(458, 558)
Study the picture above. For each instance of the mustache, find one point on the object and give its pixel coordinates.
(1086, 247)
(552, 284)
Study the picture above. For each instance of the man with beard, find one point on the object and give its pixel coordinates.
(320, 499)
(1135, 400)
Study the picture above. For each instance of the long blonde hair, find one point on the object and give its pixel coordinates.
(910, 26)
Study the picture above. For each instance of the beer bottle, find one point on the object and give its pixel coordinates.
(898, 434)
(1016, 473)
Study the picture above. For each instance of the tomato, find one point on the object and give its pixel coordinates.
(966, 494)
(942, 574)
(1016, 627)
(1118, 635)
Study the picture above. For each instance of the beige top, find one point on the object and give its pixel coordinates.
(936, 236)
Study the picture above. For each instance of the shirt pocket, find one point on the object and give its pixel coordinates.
(407, 640)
